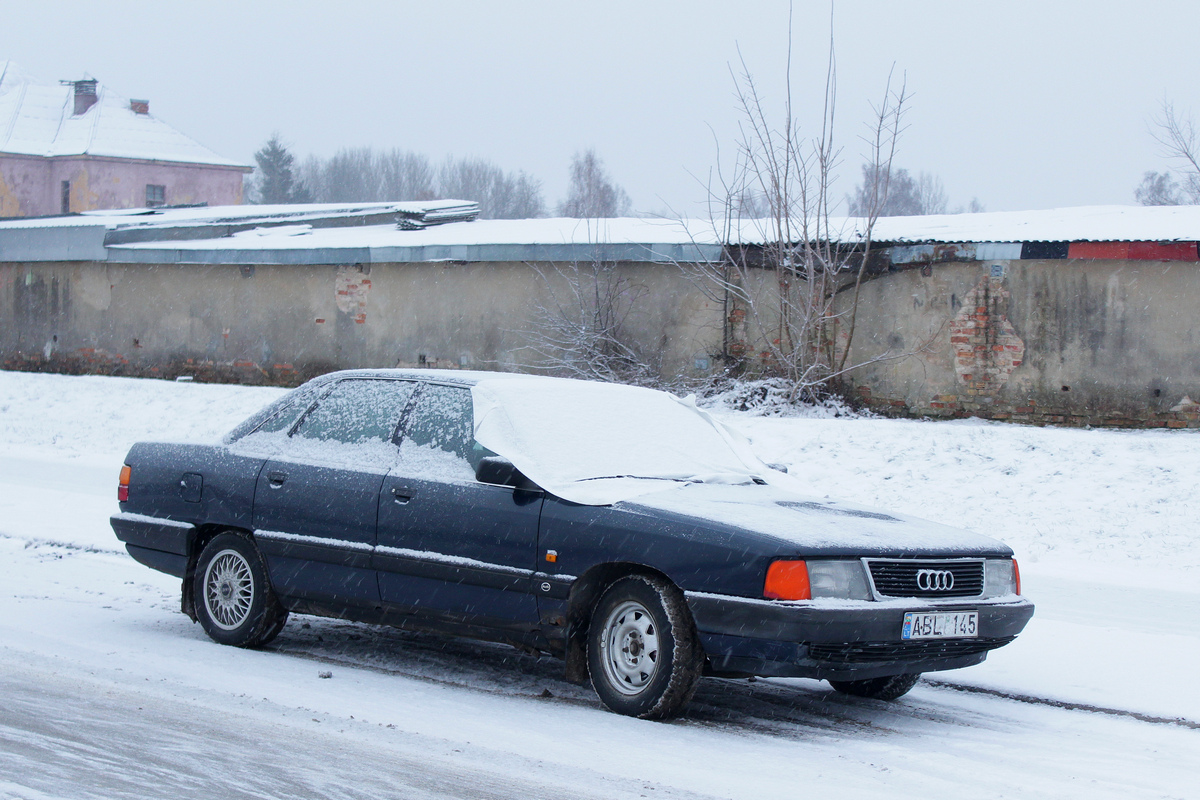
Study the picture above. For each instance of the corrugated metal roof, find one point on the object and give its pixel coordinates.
(1080, 224)
(353, 232)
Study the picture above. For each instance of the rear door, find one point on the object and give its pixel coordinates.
(448, 545)
(317, 498)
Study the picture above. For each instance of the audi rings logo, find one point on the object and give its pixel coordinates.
(935, 580)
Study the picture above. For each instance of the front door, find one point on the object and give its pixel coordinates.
(317, 499)
(448, 545)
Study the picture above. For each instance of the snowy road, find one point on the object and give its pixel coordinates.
(106, 690)
(111, 692)
(105, 740)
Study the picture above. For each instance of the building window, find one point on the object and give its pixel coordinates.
(155, 195)
(66, 197)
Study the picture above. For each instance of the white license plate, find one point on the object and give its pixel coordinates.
(944, 625)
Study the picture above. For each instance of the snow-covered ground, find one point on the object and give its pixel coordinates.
(107, 690)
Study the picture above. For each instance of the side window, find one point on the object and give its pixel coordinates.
(284, 419)
(357, 411)
(353, 424)
(266, 431)
(440, 436)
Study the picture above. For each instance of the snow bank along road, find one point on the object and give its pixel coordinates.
(106, 690)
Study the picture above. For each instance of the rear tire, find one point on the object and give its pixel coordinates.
(233, 597)
(889, 687)
(643, 654)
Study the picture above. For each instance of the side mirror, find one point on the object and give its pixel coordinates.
(779, 468)
(501, 472)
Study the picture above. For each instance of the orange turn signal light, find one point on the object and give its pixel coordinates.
(123, 484)
(787, 580)
(1017, 576)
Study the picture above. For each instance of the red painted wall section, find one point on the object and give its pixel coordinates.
(1138, 251)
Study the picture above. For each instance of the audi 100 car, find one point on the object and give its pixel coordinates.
(622, 529)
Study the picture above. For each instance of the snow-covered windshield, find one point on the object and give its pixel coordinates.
(596, 444)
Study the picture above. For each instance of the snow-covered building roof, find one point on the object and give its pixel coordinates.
(39, 118)
(1078, 224)
(438, 231)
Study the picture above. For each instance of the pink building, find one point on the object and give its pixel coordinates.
(77, 146)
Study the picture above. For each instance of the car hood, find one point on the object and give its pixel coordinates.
(814, 525)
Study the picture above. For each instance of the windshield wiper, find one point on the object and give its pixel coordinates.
(641, 478)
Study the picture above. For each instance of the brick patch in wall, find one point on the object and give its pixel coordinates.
(986, 348)
(352, 287)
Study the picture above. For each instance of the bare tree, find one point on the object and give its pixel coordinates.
(931, 194)
(581, 329)
(791, 303)
(906, 195)
(363, 174)
(1159, 189)
(592, 194)
(500, 195)
(1180, 141)
(404, 175)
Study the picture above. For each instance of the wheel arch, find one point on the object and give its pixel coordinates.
(200, 539)
(585, 593)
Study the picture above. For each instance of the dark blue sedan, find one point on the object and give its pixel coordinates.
(622, 529)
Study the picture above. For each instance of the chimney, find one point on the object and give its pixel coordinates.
(139, 106)
(85, 95)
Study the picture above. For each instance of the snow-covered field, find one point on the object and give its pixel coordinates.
(108, 691)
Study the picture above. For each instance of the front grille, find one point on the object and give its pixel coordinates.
(913, 578)
(875, 652)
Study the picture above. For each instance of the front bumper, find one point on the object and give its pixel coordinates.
(846, 641)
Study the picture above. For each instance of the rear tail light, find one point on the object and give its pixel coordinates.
(123, 485)
(787, 580)
(1017, 576)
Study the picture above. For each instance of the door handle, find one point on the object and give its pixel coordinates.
(401, 495)
(276, 479)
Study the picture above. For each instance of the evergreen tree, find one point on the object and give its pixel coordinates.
(277, 181)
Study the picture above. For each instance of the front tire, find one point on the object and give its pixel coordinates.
(234, 601)
(890, 687)
(643, 653)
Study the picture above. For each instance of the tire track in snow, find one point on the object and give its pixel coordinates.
(765, 708)
(34, 542)
(1067, 705)
(758, 697)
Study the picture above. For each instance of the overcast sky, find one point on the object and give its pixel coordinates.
(1021, 104)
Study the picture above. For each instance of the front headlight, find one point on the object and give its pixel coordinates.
(844, 580)
(1001, 577)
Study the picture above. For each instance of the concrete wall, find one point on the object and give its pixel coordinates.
(1066, 341)
(31, 186)
(282, 323)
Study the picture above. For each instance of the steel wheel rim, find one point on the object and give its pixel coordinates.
(631, 648)
(228, 589)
